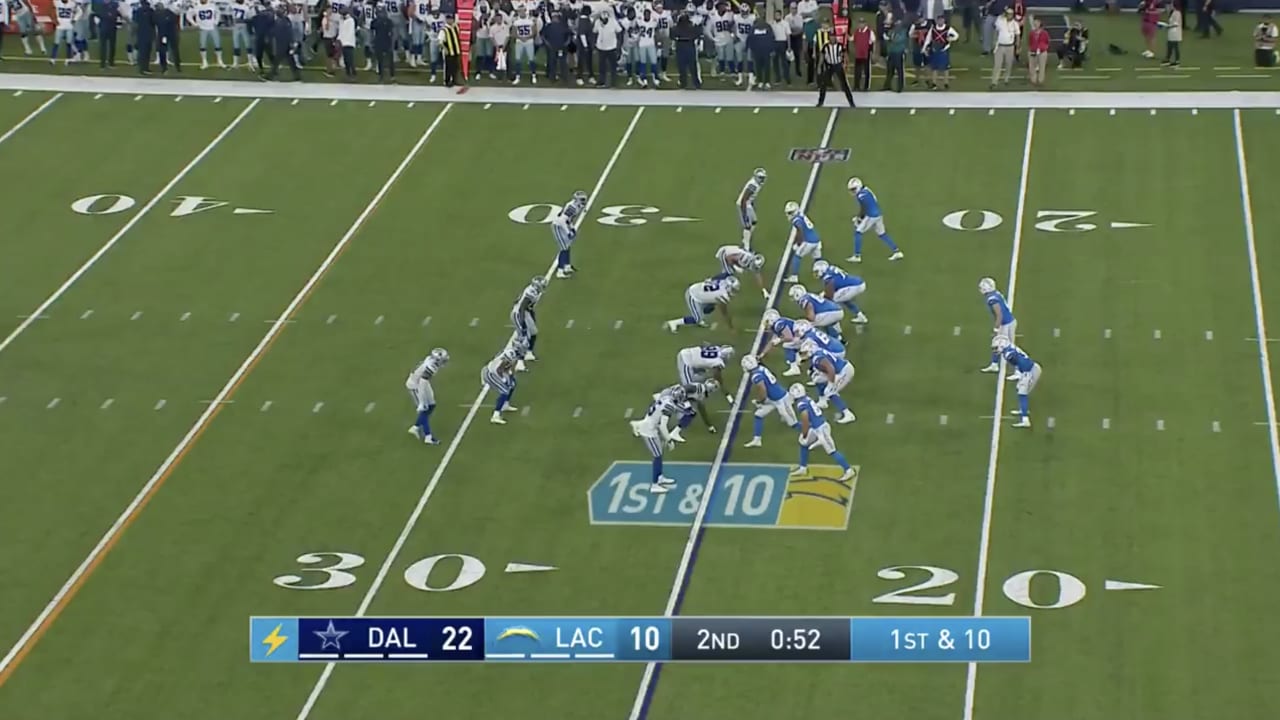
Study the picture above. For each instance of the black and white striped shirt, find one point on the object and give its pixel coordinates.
(833, 53)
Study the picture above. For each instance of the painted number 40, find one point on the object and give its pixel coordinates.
(1017, 588)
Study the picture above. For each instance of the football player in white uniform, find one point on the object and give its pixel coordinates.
(523, 318)
(564, 227)
(735, 260)
(500, 376)
(747, 204)
(653, 430)
(424, 398)
(703, 298)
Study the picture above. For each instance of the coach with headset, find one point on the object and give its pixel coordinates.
(830, 55)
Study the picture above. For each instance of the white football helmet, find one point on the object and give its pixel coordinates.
(796, 391)
(771, 316)
(441, 355)
(792, 208)
(760, 175)
(855, 185)
(986, 285)
(749, 363)
(756, 262)
(539, 282)
(802, 327)
(732, 283)
(726, 352)
(710, 385)
(580, 197)
(820, 266)
(808, 347)
(796, 292)
(1000, 343)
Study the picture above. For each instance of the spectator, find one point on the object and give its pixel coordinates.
(809, 11)
(970, 17)
(483, 55)
(383, 47)
(1173, 47)
(760, 47)
(24, 18)
(1264, 42)
(346, 40)
(500, 44)
(991, 10)
(938, 47)
(556, 35)
(795, 23)
(263, 24)
(686, 35)
(884, 20)
(144, 25)
(606, 30)
(584, 39)
(1149, 12)
(109, 18)
(1007, 31)
(167, 38)
(330, 44)
(864, 42)
(895, 42)
(282, 34)
(1037, 53)
(781, 38)
(1205, 20)
(919, 36)
(1075, 47)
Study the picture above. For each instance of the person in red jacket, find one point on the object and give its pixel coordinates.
(1037, 53)
(864, 41)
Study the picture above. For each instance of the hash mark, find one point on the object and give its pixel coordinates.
(1107, 333)
(1106, 423)
(474, 322)
(951, 111)
(17, 93)
(372, 103)
(1217, 426)
(1155, 335)
(333, 102)
(756, 111)
(178, 99)
(1160, 424)
(316, 407)
(602, 109)
(1113, 111)
(913, 111)
(2, 399)
(796, 110)
(1072, 111)
(295, 102)
(185, 317)
(378, 320)
(86, 314)
(234, 317)
(136, 315)
(1057, 332)
(1194, 111)
(568, 324)
(136, 98)
(218, 99)
(526, 106)
(955, 331)
(906, 330)
(859, 329)
(1208, 334)
(1049, 423)
(627, 415)
(369, 408)
(524, 411)
(942, 419)
(159, 405)
(1153, 111)
(265, 406)
(427, 321)
(718, 110)
(107, 403)
(714, 324)
(888, 419)
(617, 324)
(563, 108)
(331, 319)
(991, 111)
(680, 109)
(410, 105)
(486, 107)
(95, 97)
(53, 404)
(577, 412)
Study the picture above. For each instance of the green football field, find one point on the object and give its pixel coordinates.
(206, 331)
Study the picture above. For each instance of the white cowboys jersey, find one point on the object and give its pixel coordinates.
(749, 192)
(425, 370)
(701, 358)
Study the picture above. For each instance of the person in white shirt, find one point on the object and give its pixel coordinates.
(1265, 36)
(1173, 47)
(204, 16)
(499, 36)
(1007, 34)
(64, 14)
(481, 15)
(781, 44)
(607, 30)
(646, 57)
(525, 29)
(347, 39)
(83, 17)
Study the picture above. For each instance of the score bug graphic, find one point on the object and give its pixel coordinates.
(548, 639)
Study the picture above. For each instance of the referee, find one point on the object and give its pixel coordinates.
(451, 48)
(831, 55)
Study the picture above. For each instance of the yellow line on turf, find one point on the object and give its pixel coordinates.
(131, 513)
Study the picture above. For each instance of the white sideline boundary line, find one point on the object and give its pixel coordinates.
(997, 422)
(449, 452)
(616, 97)
(1264, 355)
(92, 558)
(88, 264)
(700, 518)
(30, 116)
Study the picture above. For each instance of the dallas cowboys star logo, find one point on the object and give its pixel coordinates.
(330, 636)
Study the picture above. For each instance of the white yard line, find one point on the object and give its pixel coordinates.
(66, 285)
(1259, 316)
(145, 493)
(691, 543)
(30, 116)
(449, 452)
(997, 422)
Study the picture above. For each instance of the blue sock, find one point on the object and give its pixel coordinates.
(852, 307)
(795, 264)
(685, 421)
(502, 400)
(759, 426)
(721, 276)
(533, 67)
(533, 340)
(567, 259)
(562, 258)
(995, 357)
(657, 469)
(857, 242)
(1022, 405)
(688, 320)
(840, 404)
(53, 51)
(424, 419)
(839, 458)
(820, 388)
(720, 66)
(889, 241)
(789, 354)
(804, 456)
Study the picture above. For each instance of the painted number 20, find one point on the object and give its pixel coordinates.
(1017, 588)
(332, 570)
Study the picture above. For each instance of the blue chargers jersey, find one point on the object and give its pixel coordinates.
(807, 231)
(765, 378)
(1016, 357)
(818, 303)
(840, 279)
(870, 205)
(806, 409)
(822, 358)
(782, 325)
(999, 307)
(827, 343)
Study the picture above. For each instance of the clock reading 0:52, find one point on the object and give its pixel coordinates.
(795, 639)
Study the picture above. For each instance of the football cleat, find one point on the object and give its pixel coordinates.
(753, 442)
(496, 418)
(846, 417)
(897, 255)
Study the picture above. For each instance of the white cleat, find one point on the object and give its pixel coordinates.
(676, 436)
(496, 418)
(765, 293)
(738, 80)
(791, 279)
(529, 357)
(1013, 377)
(992, 368)
(846, 417)
(859, 319)
(510, 408)
(897, 255)
(665, 77)
(521, 367)
(563, 274)
(665, 481)
(204, 66)
(432, 79)
(800, 471)
(792, 370)
(754, 442)
(673, 326)
(416, 432)
(430, 440)
(854, 258)
(822, 403)
(533, 78)
(848, 476)
(658, 488)
(515, 80)
(1025, 422)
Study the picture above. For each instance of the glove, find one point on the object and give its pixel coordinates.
(765, 293)
(712, 429)
(671, 444)
(729, 398)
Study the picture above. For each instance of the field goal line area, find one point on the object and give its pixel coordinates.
(1205, 100)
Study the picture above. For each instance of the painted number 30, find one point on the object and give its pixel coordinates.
(1017, 588)
(332, 570)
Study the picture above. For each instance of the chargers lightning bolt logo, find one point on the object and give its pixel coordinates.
(274, 640)
(519, 632)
